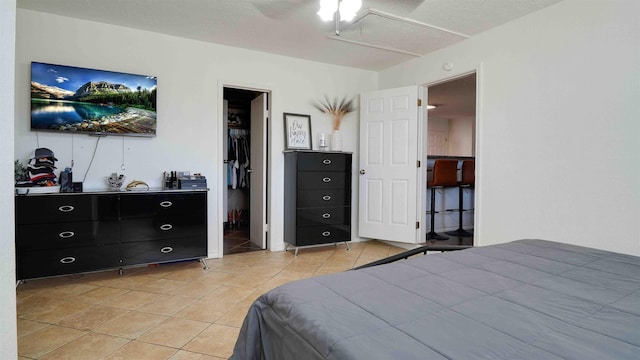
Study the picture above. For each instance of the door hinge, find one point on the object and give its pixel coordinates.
(419, 102)
(417, 224)
(265, 227)
(418, 163)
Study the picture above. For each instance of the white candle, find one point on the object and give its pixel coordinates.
(322, 141)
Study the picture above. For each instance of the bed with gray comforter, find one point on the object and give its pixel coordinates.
(528, 299)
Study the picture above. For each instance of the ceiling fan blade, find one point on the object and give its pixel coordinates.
(279, 9)
(398, 7)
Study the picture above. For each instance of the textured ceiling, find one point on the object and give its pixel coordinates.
(454, 99)
(389, 32)
(292, 28)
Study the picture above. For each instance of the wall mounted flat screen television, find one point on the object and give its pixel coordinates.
(71, 99)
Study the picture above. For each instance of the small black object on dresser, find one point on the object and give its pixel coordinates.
(60, 234)
(317, 200)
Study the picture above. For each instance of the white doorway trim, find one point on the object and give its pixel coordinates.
(477, 214)
(220, 182)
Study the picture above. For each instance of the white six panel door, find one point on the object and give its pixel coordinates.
(388, 173)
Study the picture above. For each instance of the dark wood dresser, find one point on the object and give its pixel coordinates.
(59, 234)
(317, 198)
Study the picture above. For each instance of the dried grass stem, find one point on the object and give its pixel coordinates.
(336, 108)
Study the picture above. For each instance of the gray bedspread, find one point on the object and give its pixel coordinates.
(528, 299)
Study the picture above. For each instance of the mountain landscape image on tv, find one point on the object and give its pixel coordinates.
(74, 99)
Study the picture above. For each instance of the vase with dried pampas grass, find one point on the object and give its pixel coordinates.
(338, 109)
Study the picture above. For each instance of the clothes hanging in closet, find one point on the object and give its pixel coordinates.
(238, 157)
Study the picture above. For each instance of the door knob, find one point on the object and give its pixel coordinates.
(362, 172)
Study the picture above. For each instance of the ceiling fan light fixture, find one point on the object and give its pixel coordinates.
(327, 9)
(349, 9)
(346, 9)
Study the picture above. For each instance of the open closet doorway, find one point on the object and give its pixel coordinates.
(245, 118)
(451, 135)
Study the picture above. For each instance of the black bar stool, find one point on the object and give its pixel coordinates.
(467, 181)
(444, 175)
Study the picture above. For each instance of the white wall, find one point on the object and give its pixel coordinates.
(190, 79)
(438, 132)
(461, 136)
(8, 334)
(558, 132)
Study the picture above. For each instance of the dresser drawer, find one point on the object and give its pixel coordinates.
(329, 197)
(164, 250)
(324, 216)
(144, 229)
(68, 234)
(322, 180)
(323, 162)
(36, 209)
(161, 204)
(33, 264)
(315, 235)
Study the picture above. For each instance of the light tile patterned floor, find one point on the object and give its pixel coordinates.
(172, 311)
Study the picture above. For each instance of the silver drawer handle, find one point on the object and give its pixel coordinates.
(67, 260)
(66, 234)
(327, 179)
(166, 227)
(326, 198)
(326, 215)
(166, 249)
(326, 161)
(326, 233)
(166, 204)
(65, 208)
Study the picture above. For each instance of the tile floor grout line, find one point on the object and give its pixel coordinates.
(236, 265)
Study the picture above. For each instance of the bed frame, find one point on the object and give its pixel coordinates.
(406, 254)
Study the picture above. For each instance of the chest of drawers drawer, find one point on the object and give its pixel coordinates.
(33, 264)
(39, 209)
(324, 216)
(318, 161)
(163, 250)
(67, 234)
(160, 204)
(321, 198)
(322, 180)
(144, 229)
(322, 234)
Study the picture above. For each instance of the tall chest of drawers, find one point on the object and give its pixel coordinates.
(317, 198)
(59, 234)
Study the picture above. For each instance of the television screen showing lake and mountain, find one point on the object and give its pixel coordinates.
(79, 100)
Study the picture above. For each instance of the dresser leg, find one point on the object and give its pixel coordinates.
(120, 271)
(296, 252)
(204, 263)
(347, 245)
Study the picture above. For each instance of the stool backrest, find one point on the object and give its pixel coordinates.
(468, 172)
(445, 173)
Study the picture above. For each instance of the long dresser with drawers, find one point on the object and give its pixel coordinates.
(60, 234)
(317, 198)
